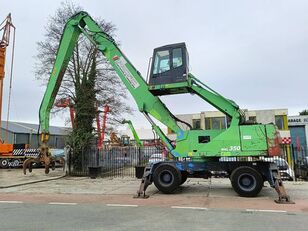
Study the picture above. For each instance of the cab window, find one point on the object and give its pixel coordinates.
(177, 59)
(161, 62)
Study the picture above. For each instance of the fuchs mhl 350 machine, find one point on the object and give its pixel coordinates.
(196, 153)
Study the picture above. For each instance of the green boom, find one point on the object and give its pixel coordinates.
(147, 103)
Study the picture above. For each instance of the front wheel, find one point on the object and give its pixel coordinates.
(167, 178)
(246, 181)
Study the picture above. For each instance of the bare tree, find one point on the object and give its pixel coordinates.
(109, 89)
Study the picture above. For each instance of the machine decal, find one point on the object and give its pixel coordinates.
(121, 63)
(247, 137)
(231, 149)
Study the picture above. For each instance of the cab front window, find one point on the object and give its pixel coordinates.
(161, 62)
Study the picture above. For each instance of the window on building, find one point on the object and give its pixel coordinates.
(216, 123)
(252, 118)
(208, 123)
(196, 123)
(228, 121)
(279, 122)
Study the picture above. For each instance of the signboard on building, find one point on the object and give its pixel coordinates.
(297, 120)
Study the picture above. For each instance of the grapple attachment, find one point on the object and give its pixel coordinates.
(44, 158)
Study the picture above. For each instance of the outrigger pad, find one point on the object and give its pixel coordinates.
(137, 196)
(284, 201)
(283, 196)
(145, 182)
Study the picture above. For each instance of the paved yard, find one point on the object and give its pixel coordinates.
(210, 193)
(11, 177)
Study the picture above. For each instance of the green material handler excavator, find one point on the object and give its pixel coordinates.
(200, 151)
(133, 130)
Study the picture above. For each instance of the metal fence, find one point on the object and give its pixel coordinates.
(112, 161)
(300, 159)
(124, 161)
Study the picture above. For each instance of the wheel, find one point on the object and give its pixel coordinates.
(246, 181)
(4, 163)
(184, 177)
(16, 163)
(167, 178)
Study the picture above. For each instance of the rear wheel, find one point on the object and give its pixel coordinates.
(167, 178)
(4, 163)
(246, 181)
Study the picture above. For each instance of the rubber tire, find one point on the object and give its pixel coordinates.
(253, 174)
(4, 163)
(175, 174)
(184, 177)
(16, 163)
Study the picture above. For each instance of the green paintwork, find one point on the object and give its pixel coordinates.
(131, 126)
(237, 140)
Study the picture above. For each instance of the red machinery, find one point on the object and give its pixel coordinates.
(66, 102)
(101, 133)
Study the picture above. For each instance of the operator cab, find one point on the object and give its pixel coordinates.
(169, 70)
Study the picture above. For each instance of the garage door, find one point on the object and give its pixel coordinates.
(298, 131)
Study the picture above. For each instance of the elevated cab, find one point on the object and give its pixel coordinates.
(169, 70)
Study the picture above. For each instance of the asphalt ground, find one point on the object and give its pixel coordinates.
(215, 193)
(90, 217)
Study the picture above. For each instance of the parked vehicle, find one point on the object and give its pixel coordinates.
(157, 157)
(57, 152)
(286, 172)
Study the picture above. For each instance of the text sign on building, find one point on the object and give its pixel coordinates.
(297, 120)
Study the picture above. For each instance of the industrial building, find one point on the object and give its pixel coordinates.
(217, 120)
(27, 133)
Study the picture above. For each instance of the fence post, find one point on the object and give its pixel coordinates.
(69, 160)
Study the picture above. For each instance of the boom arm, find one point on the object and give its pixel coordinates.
(226, 106)
(146, 101)
(130, 124)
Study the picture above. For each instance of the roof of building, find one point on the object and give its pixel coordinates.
(20, 127)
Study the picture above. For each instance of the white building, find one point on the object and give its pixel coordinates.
(217, 120)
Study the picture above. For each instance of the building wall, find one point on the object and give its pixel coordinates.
(299, 128)
(55, 141)
(261, 116)
(10, 136)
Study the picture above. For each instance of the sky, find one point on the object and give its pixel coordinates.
(253, 52)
